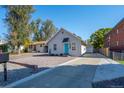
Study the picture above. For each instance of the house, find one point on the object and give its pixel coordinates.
(89, 48)
(3, 42)
(66, 43)
(114, 40)
(38, 47)
(3, 46)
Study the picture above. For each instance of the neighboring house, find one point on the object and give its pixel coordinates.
(38, 47)
(66, 43)
(3, 45)
(2, 42)
(114, 40)
(89, 47)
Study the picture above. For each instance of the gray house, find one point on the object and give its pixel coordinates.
(66, 43)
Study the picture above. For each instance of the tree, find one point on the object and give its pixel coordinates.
(17, 20)
(36, 29)
(48, 29)
(97, 38)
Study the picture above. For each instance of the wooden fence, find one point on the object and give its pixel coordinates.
(112, 54)
(117, 56)
(105, 51)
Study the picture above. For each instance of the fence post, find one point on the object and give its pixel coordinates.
(121, 56)
(5, 71)
(112, 55)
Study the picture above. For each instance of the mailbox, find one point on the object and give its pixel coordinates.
(4, 57)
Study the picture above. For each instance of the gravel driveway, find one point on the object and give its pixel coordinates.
(17, 72)
(75, 74)
(43, 61)
(91, 70)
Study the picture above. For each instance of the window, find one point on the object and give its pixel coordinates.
(40, 45)
(62, 32)
(73, 46)
(54, 47)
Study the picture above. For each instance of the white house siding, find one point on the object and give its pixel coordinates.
(83, 49)
(60, 45)
(76, 52)
(40, 49)
(3, 42)
(21, 47)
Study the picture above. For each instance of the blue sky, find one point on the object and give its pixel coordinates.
(81, 20)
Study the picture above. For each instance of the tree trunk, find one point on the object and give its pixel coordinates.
(18, 50)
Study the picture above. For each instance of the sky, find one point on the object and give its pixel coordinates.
(81, 20)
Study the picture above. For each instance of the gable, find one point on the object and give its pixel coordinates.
(66, 35)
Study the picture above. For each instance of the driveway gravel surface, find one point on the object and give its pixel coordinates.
(17, 72)
(76, 74)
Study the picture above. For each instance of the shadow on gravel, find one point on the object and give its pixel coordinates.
(113, 83)
(17, 74)
(93, 55)
(109, 76)
(52, 55)
(37, 55)
(69, 76)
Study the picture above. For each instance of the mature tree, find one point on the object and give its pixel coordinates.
(36, 29)
(48, 29)
(97, 38)
(17, 19)
(42, 30)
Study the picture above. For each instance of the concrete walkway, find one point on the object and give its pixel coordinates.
(75, 74)
(109, 73)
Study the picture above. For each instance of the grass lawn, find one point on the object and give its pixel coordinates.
(121, 62)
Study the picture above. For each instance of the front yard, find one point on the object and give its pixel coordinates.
(17, 72)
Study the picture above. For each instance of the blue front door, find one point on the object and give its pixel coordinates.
(66, 49)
